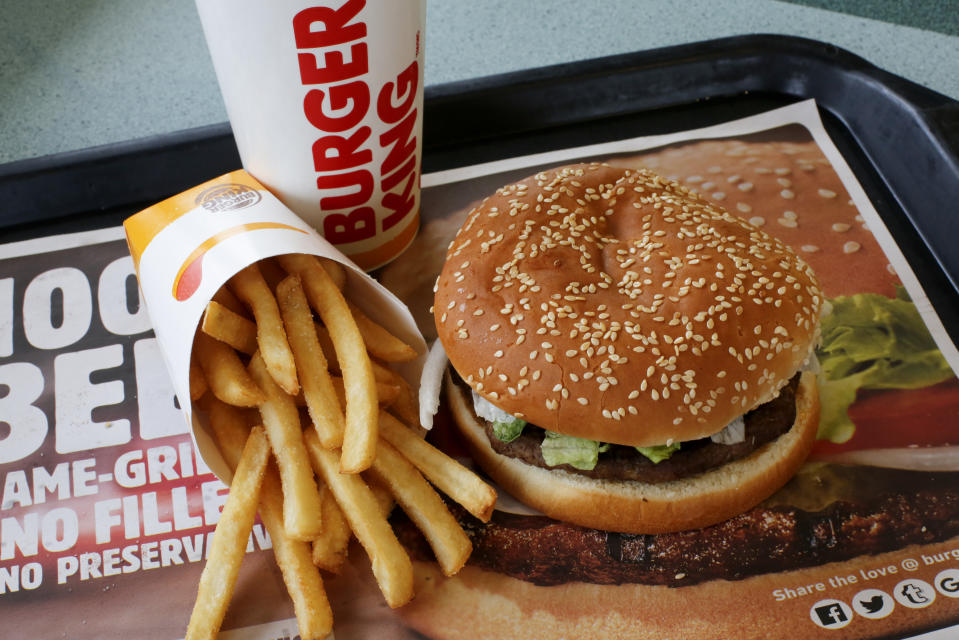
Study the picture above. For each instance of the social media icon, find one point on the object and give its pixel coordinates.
(947, 583)
(873, 604)
(914, 593)
(831, 614)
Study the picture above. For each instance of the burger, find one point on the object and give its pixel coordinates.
(628, 356)
(860, 503)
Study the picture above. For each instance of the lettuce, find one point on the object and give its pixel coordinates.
(584, 454)
(506, 427)
(660, 452)
(576, 452)
(508, 430)
(870, 341)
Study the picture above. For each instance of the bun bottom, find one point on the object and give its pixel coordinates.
(636, 507)
(478, 604)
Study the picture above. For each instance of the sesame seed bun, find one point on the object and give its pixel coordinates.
(615, 305)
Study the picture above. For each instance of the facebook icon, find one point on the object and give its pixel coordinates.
(831, 614)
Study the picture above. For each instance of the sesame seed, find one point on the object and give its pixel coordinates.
(851, 247)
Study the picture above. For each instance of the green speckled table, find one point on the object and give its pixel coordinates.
(81, 73)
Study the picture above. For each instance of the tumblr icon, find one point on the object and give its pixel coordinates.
(914, 593)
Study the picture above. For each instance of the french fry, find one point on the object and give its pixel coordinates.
(379, 342)
(336, 272)
(229, 542)
(383, 496)
(303, 582)
(386, 393)
(225, 297)
(448, 475)
(249, 286)
(391, 565)
(198, 383)
(238, 331)
(406, 406)
(225, 373)
(271, 271)
(424, 506)
(318, 392)
(380, 372)
(326, 343)
(330, 548)
(302, 514)
(359, 440)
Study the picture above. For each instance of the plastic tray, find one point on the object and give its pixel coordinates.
(901, 139)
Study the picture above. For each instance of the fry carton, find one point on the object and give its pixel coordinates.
(186, 247)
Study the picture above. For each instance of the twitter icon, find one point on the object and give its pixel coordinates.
(873, 604)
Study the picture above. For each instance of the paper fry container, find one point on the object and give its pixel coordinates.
(186, 247)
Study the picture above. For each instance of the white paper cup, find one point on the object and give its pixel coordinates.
(326, 104)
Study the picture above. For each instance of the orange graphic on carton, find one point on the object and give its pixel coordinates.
(143, 227)
(190, 273)
(230, 192)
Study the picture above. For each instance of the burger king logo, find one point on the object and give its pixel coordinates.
(227, 197)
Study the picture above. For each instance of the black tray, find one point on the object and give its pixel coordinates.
(901, 140)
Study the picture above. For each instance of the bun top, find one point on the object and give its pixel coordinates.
(618, 306)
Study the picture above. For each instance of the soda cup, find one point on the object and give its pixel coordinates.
(326, 104)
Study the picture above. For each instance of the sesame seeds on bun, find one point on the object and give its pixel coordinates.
(615, 305)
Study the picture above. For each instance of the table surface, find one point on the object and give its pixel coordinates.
(82, 73)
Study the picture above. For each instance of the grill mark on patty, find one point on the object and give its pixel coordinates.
(763, 424)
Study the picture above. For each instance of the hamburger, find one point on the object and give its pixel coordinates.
(628, 356)
(760, 573)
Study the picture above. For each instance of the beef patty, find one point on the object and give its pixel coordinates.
(901, 508)
(763, 424)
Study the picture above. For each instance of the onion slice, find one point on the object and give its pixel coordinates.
(431, 384)
(732, 433)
